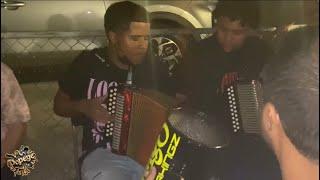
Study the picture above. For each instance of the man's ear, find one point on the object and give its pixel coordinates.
(253, 33)
(112, 36)
(270, 117)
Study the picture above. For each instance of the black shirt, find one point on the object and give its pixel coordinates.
(92, 75)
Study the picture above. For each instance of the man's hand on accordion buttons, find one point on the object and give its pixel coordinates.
(95, 110)
(228, 79)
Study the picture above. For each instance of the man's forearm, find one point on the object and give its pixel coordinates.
(14, 137)
(66, 107)
(69, 109)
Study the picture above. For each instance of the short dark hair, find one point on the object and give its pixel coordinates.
(247, 12)
(119, 16)
(291, 84)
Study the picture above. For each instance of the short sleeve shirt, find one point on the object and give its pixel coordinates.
(14, 107)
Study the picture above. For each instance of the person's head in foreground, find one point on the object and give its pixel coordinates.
(290, 118)
(127, 29)
(234, 21)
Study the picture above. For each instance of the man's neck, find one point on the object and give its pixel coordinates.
(114, 58)
(295, 166)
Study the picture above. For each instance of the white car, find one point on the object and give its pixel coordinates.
(43, 36)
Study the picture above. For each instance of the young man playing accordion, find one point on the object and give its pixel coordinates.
(96, 74)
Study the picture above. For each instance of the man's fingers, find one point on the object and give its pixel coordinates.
(101, 99)
(222, 83)
(151, 174)
(101, 114)
(229, 78)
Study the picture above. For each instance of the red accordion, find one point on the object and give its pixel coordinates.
(139, 117)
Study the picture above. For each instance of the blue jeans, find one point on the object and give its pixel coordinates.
(101, 164)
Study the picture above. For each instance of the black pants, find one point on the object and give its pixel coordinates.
(7, 174)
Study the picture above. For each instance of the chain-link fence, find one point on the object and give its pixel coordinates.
(38, 57)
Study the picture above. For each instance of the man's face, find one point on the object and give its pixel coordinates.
(231, 34)
(133, 43)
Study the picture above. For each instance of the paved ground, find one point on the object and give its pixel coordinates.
(48, 135)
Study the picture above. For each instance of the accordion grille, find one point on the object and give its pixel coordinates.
(118, 121)
(250, 102)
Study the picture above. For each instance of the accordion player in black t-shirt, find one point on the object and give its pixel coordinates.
(88, 90)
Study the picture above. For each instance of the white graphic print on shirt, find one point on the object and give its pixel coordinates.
(97, 89)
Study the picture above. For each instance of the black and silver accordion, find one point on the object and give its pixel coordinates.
(243, 104)
(139, 115)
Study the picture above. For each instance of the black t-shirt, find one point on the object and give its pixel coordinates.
(92, 75)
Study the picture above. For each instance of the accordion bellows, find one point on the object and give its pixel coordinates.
(136, 134)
